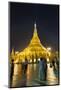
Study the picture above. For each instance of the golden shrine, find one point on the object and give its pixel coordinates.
(35, 50)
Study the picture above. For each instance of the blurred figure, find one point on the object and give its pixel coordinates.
(42, 69)
(53, 62)
(24, 66)
(45, 68)
(57, 62)
(56, 69)
(11, 71)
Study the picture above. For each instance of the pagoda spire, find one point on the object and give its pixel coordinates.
(35, 30)
(35, 25)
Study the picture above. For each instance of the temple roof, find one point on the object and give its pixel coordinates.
(34, 46)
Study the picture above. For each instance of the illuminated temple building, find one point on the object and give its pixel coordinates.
(34, 51)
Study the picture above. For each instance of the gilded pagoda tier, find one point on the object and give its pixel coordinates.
(34, 50)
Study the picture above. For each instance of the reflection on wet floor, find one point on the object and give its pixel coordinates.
(31, 76)
(51, 78)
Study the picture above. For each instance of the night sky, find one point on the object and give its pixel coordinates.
(22, 19)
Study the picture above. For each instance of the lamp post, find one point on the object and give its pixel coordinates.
(49, 48)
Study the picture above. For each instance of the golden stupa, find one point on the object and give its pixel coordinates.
(34, 50)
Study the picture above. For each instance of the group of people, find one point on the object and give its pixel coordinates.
(42, 67)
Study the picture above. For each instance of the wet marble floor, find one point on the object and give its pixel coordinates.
(31, 76)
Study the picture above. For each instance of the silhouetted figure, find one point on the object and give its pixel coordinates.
(57, 62)
(45, 68)
(56, 68)
(53, 63)
(12, 71)
(25, 65)
(36, 59)
(32, 59)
